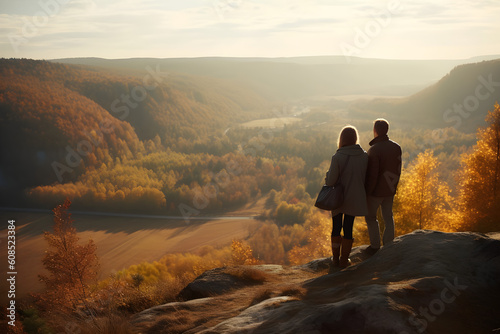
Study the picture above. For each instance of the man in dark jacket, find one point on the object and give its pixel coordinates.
(382, 178)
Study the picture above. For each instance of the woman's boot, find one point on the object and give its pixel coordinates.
(336, 242)
(344, 253)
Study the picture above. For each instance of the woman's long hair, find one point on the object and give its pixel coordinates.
(348, 136)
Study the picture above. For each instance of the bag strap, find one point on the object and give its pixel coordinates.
(347, 163)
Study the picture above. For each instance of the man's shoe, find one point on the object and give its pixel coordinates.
(370, 250)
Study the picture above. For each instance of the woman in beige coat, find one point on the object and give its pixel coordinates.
(348, 167)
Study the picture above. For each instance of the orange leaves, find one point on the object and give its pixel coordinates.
(479, 180)
(241, 253)
(318, 229)
(71, 266)
(493, 117)
(422, 200)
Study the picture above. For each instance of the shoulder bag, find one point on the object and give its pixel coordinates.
(331, 197)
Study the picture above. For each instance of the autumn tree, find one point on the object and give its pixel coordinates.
(267, 245)
(319, 227)
(479, 180)
(241, 253)
(422, 200)
(71, 266)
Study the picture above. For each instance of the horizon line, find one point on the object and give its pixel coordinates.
(491, 56)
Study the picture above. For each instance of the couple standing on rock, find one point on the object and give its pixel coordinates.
(370, 181)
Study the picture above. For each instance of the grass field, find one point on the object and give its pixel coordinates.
(121, 242)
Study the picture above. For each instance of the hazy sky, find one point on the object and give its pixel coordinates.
(400, 29)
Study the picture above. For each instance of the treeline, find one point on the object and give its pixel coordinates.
(161, 181)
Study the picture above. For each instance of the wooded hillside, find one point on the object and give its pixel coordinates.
(458, 100)
(59, 114)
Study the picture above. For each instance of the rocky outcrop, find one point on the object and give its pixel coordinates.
(222, 280)
(424, 282)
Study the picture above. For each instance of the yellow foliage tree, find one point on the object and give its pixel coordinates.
(479, 180)
(319, 227)
(267, 245)
(423, 200)
(242, 253)
(71, 266)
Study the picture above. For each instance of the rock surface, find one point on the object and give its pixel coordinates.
(424, 282)
(220, 280)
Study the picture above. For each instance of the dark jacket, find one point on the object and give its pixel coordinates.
(384, 167)
(352, 176)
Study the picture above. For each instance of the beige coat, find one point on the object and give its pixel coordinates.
(352, 178)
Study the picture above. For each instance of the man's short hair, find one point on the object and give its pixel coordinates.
(381, 126)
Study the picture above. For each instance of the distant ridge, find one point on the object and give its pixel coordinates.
(326, 59)
(300, 77)
(461, 99)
